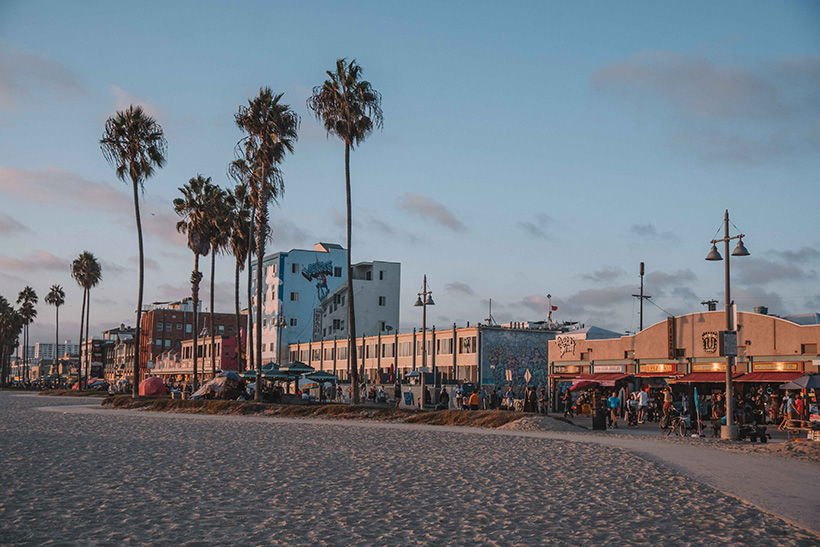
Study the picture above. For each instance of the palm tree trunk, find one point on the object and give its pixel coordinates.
(80, 353)
(211, 321)
(251, 360)
(236, 306)
(56, 339)
(87, 339)
(261, 219)
(351, 313)
(135, 392)
(195, 297)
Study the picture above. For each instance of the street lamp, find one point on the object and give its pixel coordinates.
(729, 431)
(425, 299)
(280, 323)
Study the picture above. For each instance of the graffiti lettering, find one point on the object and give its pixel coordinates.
(566, 344)
(318, 271)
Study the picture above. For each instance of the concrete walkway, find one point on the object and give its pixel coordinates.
(783, 487)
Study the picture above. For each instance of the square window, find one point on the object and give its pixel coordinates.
(382, 301)
(159, 327)
(159, 343)
(179, 326)
(293, 322)
(337, 272)
(221, 329)
(168, 343)
(294, 297)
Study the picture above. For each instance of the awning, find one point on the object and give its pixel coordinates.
(773, 377)
(604, 379)
(656, 374)
(707, 377)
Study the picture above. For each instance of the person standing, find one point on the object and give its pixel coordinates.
(474, 402)
(459, 395)
(613, 403)
(397, 394)
(444, 399)
(643, 405)
(567, 400)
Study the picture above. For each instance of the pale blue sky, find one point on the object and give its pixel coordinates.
(528, 148)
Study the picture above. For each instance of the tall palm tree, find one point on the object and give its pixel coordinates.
(56, 298)
(271, 131)
(92, 278)
(133, 144)
(86, 270)
(11, 326)
(241, 171)
(194, 209)
(219, 235)
(350, 108)
(78, 271)
(240, 220)
(27, 298)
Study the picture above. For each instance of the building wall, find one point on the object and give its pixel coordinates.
(45, 350)
(377, 301)
(294, 284)
(517, 351)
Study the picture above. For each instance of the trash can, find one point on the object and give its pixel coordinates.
(599, 418)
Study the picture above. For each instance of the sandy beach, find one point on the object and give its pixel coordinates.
(112, 477)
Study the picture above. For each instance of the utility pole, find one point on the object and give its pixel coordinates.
(642, 298)
(711, 305)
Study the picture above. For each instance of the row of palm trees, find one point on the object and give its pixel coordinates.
(236, 221)
(86, 270)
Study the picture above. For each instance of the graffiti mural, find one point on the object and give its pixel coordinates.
(318, 272)
(516, 352)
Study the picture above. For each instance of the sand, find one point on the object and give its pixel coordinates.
(114, 477)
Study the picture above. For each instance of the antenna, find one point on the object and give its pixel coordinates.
(642, 298)
(490, 319)
(711, 305)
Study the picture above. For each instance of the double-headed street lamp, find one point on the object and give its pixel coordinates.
(425, 299)
(729, 431)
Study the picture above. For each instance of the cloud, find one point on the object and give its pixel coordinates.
(539, 228)
(693, 86)
(58, 186)
(124, 99)
(11, 226)
(289, 234)
(801, 255)
(111, 268)
(607, 273)
(431, 210)
(456, 286)
(761, 271)
(670, 279)
(536, 303)
(149, 263)
(747, 298)
(684, 293)
(650, 231)
(38, 261)
(27, 79)
(604, 297)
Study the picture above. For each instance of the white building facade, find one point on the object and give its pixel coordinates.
(45, 350)
(376, 288)
(294, 284)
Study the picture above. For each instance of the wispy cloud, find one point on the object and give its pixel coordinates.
(650, 231)
(431, 210)
(670, 279)
(457, 286)
(38, 261)
(27, 79)
(760, 271)
(58, 186)
(802, 255)
(538, 228)
(149, 263)
(11, 226)
(605, 274)
(123, 99)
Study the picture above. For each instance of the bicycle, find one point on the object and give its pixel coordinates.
(676, 422)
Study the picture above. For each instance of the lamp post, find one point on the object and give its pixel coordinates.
(425, 299)
(280, 323)
(729, 431)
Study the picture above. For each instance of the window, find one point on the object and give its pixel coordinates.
(316, 354)
(159, 342)
(168, 343)
(293, 322)
(179, 326)
(381, 275)
(369, 275)
(337, 272)
(294, 356)
(221, 329)
(264, 322)
(467, 344)
(324, 332)
(342, 354)
(188, 328)
(342, 325)
(304, 356)
(343, 300)
(808, 348)
(444, 346)
(629, 354)
(405, 349)
(168, 327)
(159, 327)
(382, 302)
(230, 328)
(272, 346)
(371, 351)
(381, 326)
(337, 324)
(294, 268)
(584, 356)
(294, 297)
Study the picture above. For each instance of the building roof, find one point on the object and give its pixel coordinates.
(594, 333)
(803, 318)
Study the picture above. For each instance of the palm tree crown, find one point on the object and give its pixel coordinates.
(134, 144)
(196, 209)
(55, 296)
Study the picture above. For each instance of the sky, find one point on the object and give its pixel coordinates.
(528, 148)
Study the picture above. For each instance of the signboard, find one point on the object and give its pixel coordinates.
(709, 367)
(509, 375)
(607, 368)
(528, 376)
(657, 367)
(787, 367)
(670, 337)
(566, 369)
(317, 324)
(728, 343)
(710, 341)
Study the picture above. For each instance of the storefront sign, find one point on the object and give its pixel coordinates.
(670, 337)
(607, 368)
(657, 367)
(710, 342)
(728, 343)
(709, 367)
(566, 344)
(760, 367)
(566, 369)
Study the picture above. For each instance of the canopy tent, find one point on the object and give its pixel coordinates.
(705, 377)
(229, 374)
(322, 376)
(807, 381)
(152, 386)
(773, 377)
(604, 379)
(297, 368)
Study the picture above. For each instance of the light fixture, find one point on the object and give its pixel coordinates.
(419, 303)
(429, 301)
(714, 254)
(740, 250)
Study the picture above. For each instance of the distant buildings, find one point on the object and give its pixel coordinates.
(45, 350)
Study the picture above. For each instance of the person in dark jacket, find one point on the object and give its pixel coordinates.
(443, 399)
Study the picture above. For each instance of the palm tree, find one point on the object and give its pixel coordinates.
(194, 208)
(220, 239)
(240, 220)
(27, 298)
(133, 144)
(350, 108)
(86, 270)
(11, 326)
(56, 298)
(242, 172)
(271, 131)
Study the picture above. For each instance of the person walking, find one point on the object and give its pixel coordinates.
(474, 402)
(567, 400)
(613, 403)
(643, 405)
(444, 399)
(397, 394)
(459, 395)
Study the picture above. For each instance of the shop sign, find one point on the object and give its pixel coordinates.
(710, 341)
(759, 367)
(566, 369)
(607, 368)
(657, 367)
(709, 367)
